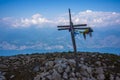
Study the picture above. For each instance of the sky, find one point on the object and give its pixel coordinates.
(30, 26)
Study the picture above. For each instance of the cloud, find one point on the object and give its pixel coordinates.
(92, 18)
(54, 47)
(111, 41)
(97, 18)
(35, 46)
(7, 46)
(36, 19)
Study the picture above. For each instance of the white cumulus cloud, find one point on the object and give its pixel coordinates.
(92, 18)
(97, 18)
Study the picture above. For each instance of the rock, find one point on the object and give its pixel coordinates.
(12, 58)
(50, 71)
(100, 77)
(117, 78)
(49, 64)
(67, 69)
(45, 74)
(89, 70)
(60, 69)
(12, 76)
(2, 77)
(49, 77)
(99, 70)
(84, 73)
(92, 78)
(73, 79)
(72, 62)
(37, 77)
(73, 69)
(42, 69)
(72, 74)
(36, 68)
(93, 55)
(65, 76)
(60, 60)
(84, 78)
(82, 59)
(100, 56)
(78, 75)
(111, 77)
(98, 63)
(64, 65)
(79, 65)
(56, 75)
(3, 66)
(42, 79)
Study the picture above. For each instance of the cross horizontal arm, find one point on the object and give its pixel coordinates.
(62, 26)
(78, 25)
(66, 28)
(82, 28)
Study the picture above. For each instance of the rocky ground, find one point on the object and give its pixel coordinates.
(60, 66)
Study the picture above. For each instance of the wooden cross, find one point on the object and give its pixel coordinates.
(72, 29)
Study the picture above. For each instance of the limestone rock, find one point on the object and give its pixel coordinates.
(98, 63)
(60, 69)
(2, 77)
(65, 75)
(2, 66)
(67, 69)
(56, 75)
(49, 77)
(73, 79)
(72, 74)
(72, 62)
(100, 77)
(36, 68)
(49, 64)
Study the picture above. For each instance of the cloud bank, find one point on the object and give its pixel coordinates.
(27, 38)
(92, 18)
(4, 45)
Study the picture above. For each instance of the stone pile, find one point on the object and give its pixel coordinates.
(60, 66)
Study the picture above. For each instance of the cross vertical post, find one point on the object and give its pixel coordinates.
(72, 34)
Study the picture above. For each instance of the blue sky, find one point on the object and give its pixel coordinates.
(23, 8)
(28, 26)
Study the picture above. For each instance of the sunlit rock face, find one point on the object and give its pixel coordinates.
(60, 66)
